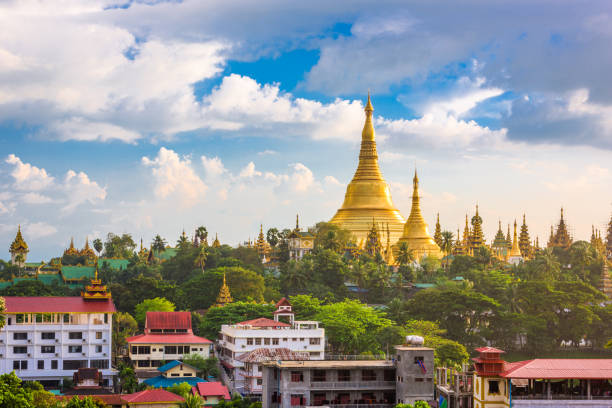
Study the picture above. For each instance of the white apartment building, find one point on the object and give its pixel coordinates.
(48, 338)
(242, 347)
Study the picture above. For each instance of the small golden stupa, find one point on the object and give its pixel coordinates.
(224, 296)
(416, 234)
(368, 196)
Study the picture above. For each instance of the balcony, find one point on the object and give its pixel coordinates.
(352, 385)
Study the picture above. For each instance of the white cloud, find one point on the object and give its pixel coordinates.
(28, 177)
(249, 171)
(84, 130)
(331, 180)
(267, 152)
(213, 166)
(80, 189)
(175, 178)
(3, 209)
(35, 198)
(39, 230)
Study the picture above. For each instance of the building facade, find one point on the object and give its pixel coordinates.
(238, 340)
(49, 338)
(167, 336)
(407, 378)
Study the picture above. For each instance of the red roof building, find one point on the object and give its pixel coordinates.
(212, 392)
(153, 396)
(167, 336)
(263, 322)
(56, 304)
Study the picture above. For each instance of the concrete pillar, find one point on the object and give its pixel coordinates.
(589, 390)
(548, 390)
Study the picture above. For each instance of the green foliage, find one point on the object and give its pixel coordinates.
(37, 288)
(98, 245)
(331, 237)
(418, 404)
(158, 304)
(85, 402)
(238, 402)
(206, 366)
(352, 327)
(128, 383)
(232, 313)
(447, 352)
(124, 326)
(305, 307)
(183, 389)
(117, 246)
(192, 401)
(12, 394)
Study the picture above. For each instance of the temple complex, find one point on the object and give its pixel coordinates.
(416, 235)
(216, 243)
(560, 238)
(367, 195)
(300, 242)
(499, 247)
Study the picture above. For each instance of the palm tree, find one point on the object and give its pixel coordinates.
(404, 254)
(159, 244)
(202, 233)
(192, 401)
(98, 246)
(447, 245)
(200, 260)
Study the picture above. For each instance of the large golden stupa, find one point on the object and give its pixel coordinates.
(416, 234)
(368, 199)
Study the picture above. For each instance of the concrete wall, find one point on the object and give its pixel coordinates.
(412, 384)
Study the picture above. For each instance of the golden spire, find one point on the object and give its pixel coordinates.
(216, 243)
(19, 245)
(224, 296)
(297, 222)
(368, 195)
(515, 251)
(416, 235)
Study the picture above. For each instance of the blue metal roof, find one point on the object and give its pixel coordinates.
(168, 366)
(164, 382)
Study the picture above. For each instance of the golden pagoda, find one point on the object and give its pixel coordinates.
(477, 237)
(458, 248)
(416, 235)
(561, 237)
(224, 296)
(87, 251)
(500, 245)
(368, 195)
(373, 245)
(143, 254)
(71, 251)
(96, 290)
(515, 252)
(525, 241)
(19, 249)
(466, 237)
(261, 245)
(216, 243)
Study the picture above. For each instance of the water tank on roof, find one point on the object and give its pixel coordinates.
(415, 340)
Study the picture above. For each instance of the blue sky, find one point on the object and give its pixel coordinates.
(151, 117)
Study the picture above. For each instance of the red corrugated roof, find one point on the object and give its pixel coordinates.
(264, 322)
(168, 320)
(283, 302)
(211, 389)
(57, 304)
(560, 369)
(168, 339)
(489, 350)
(152, 396)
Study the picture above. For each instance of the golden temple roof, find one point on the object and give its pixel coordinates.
(216, 243)
(71, 249)
(515, 251)
(87, 251)
(18, 245)
(416, 234)
(224, 296)
(368, 195)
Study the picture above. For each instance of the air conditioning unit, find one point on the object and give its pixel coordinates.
(1, 340)
(29, 355)
(1, 355)
(103, 340)
(105, 354)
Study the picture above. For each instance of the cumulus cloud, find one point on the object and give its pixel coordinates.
(175, 178)
(35, 198)
(213, 166)
(81, 189)
(28, 177)
(39, 229)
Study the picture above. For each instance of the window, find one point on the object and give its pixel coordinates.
(99, 335)
(187, 374)
(259, 368)
(344, 375)
(54, 364)
(297, 400)
(194, 350)
(47, 349)
(20, 336)
(101, 364)
(139, 349)
(175, 375)
(20, 365)
(258, 341)
(267, 342)
(105, 318)
(275, 342)
(493, 387)
(315, 340)
(98, 349)
(143, 363)
(285, 339)
(418, 360)
(297, 376)
(418, 379)
(319, 376)
(66, 318)
(170, 349)
(47, 335)
(301, 339)
(20, 349)
(249, 342)
(294, 339)
(74, 364)
(41, 364)
(259, 381)
(75, 349)
(389, 375)
(368, 375)
(75, 335)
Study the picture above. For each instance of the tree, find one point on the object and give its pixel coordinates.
(404, 254)
(183, 389)
(117, 246)
(201, 234)
(128, 383)
(13, 394)
(201, 258)
(351, 327)
(232, 313)
(305, 307)
(447, 244)
(206, 366)
(124, 326)
(272, 236)
(84, 402)
(192, 401)
(98, 245)
(159, 244)
(447, 353)
(158, 304)
(332, 237)
(183, 242)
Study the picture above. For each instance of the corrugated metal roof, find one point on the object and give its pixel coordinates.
(168, 320)
(263, 322)
(152, 396)
(560, 369)
(164, 382)
(211, 389)
(168, 339)
(265, 354)
(56, 304)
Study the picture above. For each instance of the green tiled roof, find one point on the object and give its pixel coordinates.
(49, 279)
(5, 284)
(116, 264)
(78, 272)
(166, 254)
